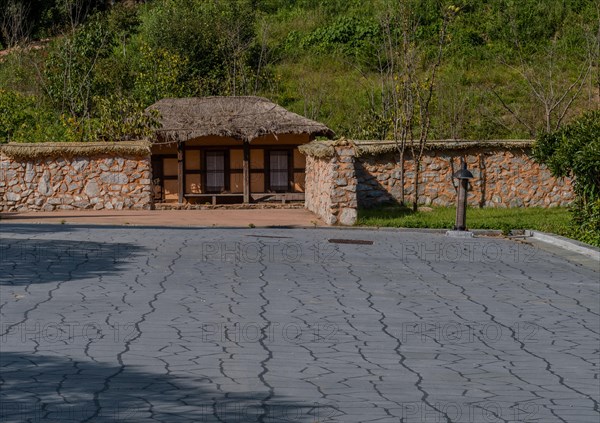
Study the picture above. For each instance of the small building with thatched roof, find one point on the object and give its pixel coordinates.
(230, 149)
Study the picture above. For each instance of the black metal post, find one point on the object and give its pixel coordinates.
(461, 206)
(461, 203)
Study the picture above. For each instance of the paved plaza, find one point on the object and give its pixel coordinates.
(150, 324)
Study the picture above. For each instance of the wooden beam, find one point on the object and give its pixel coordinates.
(180, 164)
(246, 172)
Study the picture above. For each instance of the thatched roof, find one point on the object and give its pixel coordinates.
(324, 149)
(29, 151)
(243, 118)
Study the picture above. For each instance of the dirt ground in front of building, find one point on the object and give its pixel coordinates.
(190, 218)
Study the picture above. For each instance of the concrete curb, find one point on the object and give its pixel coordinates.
(459, 234)
(566, 243)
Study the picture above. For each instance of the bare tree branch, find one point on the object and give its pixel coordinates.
(512, 112)
(13, 24)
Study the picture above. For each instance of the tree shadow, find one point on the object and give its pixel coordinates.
(385, 211)
(48, 388)
(28, 228)
(370, 192)
(27, 261)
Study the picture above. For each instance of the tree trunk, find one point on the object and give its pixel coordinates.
(416, 184)
(402, 166)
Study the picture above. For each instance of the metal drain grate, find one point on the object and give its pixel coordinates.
(269, 236)
(351, 241)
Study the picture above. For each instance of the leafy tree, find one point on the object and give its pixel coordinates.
(121, 119)
(215, 38)
(574, 151)
(117, 118)
(71, 64)
(15, 113)
(24, 119)
(20, 19)
(158, 74)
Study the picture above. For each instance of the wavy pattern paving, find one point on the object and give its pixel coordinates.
(257, 325)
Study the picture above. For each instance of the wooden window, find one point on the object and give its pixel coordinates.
(215, 171)
(279, 174)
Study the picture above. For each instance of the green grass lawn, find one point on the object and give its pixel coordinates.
(555, 220)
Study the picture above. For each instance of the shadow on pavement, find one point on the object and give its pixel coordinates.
(7, 228)
(44, 388)
(27, 261)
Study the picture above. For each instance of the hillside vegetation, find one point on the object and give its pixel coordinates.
(86, 69)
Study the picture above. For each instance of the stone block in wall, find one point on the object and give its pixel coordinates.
(348, 216)
(114, 178)
(11, 196)
(92, 189)
(82, 205)
(329, 218)
(29, 172)
(44, 187)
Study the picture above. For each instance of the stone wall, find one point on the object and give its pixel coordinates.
(502, 178)
(331, 185)
(96, 182)
(342, 176)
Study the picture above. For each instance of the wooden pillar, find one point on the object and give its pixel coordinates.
(180, 181)
(246, 172)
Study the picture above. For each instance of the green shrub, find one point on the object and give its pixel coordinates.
(70, 66)
(158, 74)
(216, 41)
(574, 151)
(24, 119)
(119, 119)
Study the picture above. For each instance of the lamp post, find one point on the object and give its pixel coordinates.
(463, 175)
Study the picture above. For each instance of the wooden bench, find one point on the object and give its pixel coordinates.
(213, 197)
(283, 196)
